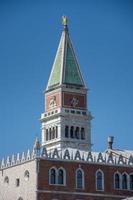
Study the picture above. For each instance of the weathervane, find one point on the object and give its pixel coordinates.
(64, 21)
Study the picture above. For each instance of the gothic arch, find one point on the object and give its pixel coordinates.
(99, 180)
(80, 179)
(53, 175)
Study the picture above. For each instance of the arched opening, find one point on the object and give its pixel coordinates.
(53, 133)
(52, 176)
(99, 180)
(50, 134)
(117, 181)
(66, 131)
(124, 181)
(47, 135)
(131, 181)
(77, 133)
(79, 179)
(61, 176)
(26, 175)
(82, 133)
(56, 132)
(72, 132)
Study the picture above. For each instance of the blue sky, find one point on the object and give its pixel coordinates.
(102, 34)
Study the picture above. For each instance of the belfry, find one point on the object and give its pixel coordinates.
(66, 121)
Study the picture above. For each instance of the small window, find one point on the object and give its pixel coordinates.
(124, 182)
(79, 179)
(6, 180)
(17, 182)
(99, 180)
(20, 198)
(26, 175)
(117, 181)
(52, 176)
(131, 182)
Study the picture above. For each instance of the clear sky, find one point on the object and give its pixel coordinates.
(102, 34)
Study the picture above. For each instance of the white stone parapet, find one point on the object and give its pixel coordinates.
(107, 158)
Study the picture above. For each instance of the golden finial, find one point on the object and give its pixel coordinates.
(64, 20)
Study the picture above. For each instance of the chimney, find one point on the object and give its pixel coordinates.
(110, 142)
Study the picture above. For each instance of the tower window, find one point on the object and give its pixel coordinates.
(99, 180)
(82, 133)
(46, 134)
(50, 134)
(77, 133)
(56, 132)
(117, 181)
(131, 182)
(53, 133)
(52, 176)
(71, 132)
(66, 131)
(79, 179)
(124, 181)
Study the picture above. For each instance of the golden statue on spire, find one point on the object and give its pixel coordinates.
(64, 20)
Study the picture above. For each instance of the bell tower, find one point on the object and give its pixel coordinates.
(66, 122)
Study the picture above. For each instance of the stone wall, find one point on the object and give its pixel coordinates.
(24, 186)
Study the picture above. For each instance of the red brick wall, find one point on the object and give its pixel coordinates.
(89, 170)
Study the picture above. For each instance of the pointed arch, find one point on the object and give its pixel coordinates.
(117, 180)
(53, 175)
(99, 180)
(61, 176)
(124, 181)
(131, 181)
(79, 178)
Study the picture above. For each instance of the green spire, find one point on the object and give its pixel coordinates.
(65, 69)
